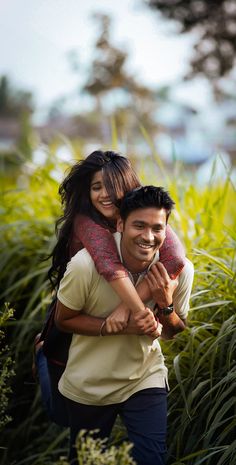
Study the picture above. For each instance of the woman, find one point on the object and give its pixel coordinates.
(90, 197)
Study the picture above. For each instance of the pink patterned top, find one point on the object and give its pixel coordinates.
(100, 243)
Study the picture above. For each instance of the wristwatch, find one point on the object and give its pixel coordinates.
(165, 311)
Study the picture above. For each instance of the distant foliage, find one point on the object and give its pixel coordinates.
(214, 23)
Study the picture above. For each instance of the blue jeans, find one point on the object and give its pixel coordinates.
(54, 402)
(144, 414)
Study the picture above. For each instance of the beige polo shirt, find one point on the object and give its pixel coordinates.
(108, 370)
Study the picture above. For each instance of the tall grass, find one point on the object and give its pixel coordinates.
(201, 360)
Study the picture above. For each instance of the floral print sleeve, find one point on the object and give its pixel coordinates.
(172, 253)
(100, 244)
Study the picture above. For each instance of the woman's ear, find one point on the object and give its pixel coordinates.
(119, 225)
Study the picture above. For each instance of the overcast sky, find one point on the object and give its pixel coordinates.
(36, 35)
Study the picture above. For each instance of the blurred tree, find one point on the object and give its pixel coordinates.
(108, 73)
(26, 138)
(215, 24)
(16, 108)
(13, 102)
(108, 67)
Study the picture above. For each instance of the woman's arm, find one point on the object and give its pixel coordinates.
(101, 246)
(122, 311)
(172, 254)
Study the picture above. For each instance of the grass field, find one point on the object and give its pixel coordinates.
(201, 360)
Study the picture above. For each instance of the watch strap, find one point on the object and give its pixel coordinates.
(164, 311)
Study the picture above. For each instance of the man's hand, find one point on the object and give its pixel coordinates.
(118, 319)
(144, 323)
(161, 285)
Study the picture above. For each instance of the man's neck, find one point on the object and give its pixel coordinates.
(135, 275)
(140, 268)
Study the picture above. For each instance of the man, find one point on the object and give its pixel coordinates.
(123, 373)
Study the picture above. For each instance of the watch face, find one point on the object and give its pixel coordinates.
(167, 310)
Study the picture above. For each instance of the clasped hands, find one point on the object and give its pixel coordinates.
(161, 288)
(142, 322)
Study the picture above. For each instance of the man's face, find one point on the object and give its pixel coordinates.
(143, 233)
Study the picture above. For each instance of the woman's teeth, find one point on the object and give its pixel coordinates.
(106, 204)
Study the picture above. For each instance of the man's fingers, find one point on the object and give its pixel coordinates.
(162, 270)
(159, 273)
(150, 280)
(155, 280)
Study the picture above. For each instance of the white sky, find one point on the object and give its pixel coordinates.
(36, 35)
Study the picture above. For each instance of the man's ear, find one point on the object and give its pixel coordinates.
(120, 225)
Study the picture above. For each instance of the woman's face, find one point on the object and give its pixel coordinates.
(100, 198)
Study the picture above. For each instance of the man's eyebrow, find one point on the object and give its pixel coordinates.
(144, 223)
(139, 222)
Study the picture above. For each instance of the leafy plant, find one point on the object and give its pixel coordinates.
(6, 368)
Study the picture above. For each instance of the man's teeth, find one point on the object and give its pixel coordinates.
(146, 246)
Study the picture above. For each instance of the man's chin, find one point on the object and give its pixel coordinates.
(145, 257)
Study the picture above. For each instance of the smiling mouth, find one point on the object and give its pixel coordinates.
(146, 246)
(107, 204)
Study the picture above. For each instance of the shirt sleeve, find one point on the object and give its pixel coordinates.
(172, 254)
(182, 292)
(75, 286)
(101, 245)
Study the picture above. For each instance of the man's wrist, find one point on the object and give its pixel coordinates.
(163, 311)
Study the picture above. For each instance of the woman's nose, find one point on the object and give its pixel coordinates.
(104, 193)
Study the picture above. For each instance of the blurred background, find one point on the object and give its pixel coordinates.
(73, 72)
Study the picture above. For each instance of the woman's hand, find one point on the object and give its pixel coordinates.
(118, 319)
(142, 323)
(145, 323)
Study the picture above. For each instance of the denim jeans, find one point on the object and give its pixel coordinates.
(144, 414)
(54, 402)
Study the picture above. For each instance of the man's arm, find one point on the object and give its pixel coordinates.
(72, 321)
(165, 292)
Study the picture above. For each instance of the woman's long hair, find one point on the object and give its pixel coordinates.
(119, 178)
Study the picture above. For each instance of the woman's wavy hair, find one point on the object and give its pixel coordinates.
(119, 178)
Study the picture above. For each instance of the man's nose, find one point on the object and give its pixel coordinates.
(148, 235)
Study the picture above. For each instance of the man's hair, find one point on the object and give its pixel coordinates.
(146, 197)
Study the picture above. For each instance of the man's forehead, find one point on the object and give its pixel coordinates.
(147, 215)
